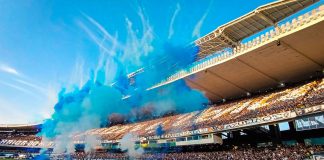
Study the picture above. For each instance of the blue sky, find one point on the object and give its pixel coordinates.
(46, 45)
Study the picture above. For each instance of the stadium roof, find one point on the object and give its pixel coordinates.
(6, 126)
(230, 34)
(289, 53)
(283, 59)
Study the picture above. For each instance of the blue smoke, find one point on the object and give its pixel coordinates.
(87, 107)
(42, 157)
(159, 130)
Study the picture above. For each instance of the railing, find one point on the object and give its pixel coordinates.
(17, 125)
(289, 27)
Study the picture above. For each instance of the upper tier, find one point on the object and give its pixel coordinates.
(231, 33)
(291, 52)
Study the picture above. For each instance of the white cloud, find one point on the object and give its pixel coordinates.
(32, 85)
(39, 98)
(19, 88)
(8, 69)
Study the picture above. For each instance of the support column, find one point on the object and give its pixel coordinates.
(292, 128)
(235, 136)
(275, 134)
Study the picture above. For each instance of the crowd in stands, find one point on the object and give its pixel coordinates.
(289, 99)
(21, 139)
(284, 100)
(298, 152)
(316, 96)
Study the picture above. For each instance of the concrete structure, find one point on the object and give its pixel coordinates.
(289, 53)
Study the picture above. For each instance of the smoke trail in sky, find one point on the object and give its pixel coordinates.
(171, 30)
(196, 31)
(88, 106)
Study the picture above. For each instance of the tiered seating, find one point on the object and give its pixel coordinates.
(316, 95)
(309, 94)
(21, 140)
(280, 101)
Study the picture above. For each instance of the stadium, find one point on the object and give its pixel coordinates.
(263, 75)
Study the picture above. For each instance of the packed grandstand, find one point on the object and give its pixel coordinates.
(281, 105)
(233, 127)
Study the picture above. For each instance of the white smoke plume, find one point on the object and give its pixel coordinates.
(127, 143)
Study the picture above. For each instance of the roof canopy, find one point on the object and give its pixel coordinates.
(230, 34)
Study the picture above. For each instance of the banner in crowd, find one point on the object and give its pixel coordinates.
(24, 143)
(298, 112)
